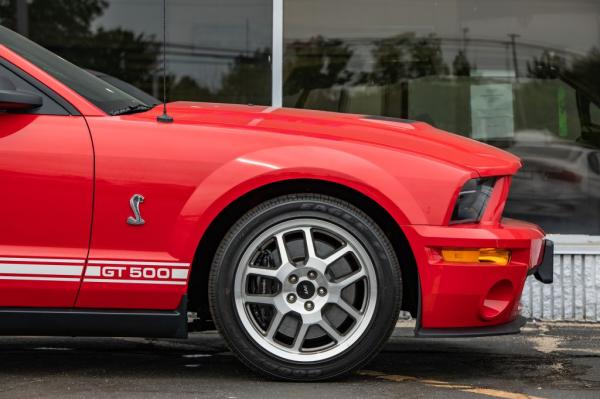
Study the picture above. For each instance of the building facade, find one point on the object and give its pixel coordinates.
(522, 75)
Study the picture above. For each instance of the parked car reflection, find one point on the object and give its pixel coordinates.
(127, 88)
(559, 181)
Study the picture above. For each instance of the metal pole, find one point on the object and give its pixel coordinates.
(513, 37)
(277, 58)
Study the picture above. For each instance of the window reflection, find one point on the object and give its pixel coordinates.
(520, 75)
(216, 51)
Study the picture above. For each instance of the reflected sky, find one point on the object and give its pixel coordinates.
(204, 35)
(571, 27)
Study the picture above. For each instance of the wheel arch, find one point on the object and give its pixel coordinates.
(218, 227)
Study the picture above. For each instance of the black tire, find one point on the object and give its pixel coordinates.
(328, 209)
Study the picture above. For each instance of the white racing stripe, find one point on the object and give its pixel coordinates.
(29, 278)
(108, 280)
(92, 271)
(24, 268)
(52, 269)
(43, 260)
(179, 273)
(136, 263)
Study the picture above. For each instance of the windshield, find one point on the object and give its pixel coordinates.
(105, 96)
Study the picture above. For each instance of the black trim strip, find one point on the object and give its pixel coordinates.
(95, 323)
(544, 272)
(514, 327)
(41, 87)
(389, 119)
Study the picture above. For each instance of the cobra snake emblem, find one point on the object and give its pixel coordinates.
(134, 202)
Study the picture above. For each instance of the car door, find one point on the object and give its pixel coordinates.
(46, 191)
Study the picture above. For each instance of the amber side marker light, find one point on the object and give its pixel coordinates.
(492, 256)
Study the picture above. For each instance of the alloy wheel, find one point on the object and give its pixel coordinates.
(305, 290)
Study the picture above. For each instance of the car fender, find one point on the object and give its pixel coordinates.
(257, 169)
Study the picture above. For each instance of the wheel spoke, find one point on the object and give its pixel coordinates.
(274, 325)
(351, 279)
(332, 332)
(349, 309)
(299, 340)
(260, 299)
(337, 255)
(310, 244)
(263, 272)
(281, 248)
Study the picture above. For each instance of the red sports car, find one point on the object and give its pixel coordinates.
(299, 234)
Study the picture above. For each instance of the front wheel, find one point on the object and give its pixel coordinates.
(305, 287)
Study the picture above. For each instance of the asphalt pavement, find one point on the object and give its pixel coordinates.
(548, 360)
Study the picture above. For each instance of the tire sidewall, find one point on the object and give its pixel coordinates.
(273, 212)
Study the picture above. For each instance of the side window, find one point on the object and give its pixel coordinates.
(49, 106)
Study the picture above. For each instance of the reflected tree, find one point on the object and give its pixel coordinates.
(582, 74)
(65, 27)
(406, 56)
(129, 56)
(427, 57)
(318, 63)
(7, 13)
(585, 72)
(461, 65)
(187, 88)
(547, 66)
(390, 54)
(248, 80)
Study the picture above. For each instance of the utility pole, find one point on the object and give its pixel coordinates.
(465, 40)
(513, 37)
(247, 37)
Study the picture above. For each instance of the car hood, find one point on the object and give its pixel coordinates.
(410, 136)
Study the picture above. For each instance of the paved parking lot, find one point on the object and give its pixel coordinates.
(546, 361)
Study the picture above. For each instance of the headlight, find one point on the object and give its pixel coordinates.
(472, 200)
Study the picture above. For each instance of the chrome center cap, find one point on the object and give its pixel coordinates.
(305, 290)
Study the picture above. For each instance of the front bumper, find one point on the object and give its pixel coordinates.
(476, 299)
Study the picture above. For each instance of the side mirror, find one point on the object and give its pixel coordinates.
(14, 101)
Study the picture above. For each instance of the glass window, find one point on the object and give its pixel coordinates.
(216, 50)
(10, 81)
(523, 75)
(105, 96)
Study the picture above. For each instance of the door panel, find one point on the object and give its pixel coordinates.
(46, 188)
(135, 267)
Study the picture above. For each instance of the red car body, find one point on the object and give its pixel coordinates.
(67, 180)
